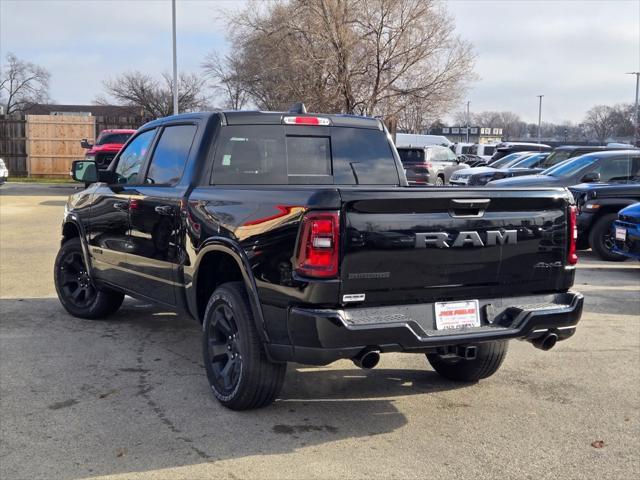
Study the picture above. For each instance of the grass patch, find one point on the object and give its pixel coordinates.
(41, 180)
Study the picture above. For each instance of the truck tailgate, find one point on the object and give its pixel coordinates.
(425, 245)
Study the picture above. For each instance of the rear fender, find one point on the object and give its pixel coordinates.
(224, 245)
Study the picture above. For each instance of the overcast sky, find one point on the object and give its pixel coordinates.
(576, 53)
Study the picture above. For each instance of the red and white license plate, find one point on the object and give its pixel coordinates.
(463, 314)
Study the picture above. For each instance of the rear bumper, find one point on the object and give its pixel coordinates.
(321, 336)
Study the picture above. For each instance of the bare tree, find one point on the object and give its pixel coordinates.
(155, 97)
(374, 57)
(226, 74)
(623, 120)
(601, 121)
(22, 84)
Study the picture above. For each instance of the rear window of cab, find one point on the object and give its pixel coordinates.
(284, 155)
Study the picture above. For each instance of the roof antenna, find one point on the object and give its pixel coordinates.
(298, 107)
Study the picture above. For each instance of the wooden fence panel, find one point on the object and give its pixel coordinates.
(13, 146)
(53, 142)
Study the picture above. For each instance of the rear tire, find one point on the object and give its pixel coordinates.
(489, 358)
(601, 241)
(240, 375)
(439, 181)
(75, 288)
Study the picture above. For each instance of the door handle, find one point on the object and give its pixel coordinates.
(164, 210)
(124, 206)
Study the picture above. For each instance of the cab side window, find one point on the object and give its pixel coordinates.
(612, 169)
(171, 154)
(132, 157)
(442, 154)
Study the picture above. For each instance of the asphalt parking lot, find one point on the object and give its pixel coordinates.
(128, 398)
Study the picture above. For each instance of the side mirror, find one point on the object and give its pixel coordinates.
(84, 143)
(84, 171)
(591, 177)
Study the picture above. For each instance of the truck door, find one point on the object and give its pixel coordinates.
(154, 214)
(109, 227)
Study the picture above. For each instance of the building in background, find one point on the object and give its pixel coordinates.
(476, 134)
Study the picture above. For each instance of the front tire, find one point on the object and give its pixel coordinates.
(601, 239)
(76, 290)
(240, 375)
(489, 358)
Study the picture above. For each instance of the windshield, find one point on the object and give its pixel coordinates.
(556, 157)
(570, 167)
(509, 159)
(530, 161)
(120, 138)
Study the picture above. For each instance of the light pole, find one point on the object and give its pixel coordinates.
(175, 59)
(468, 102)
(635, 113)
(540, 118)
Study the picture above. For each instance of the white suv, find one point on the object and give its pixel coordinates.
(483, 150)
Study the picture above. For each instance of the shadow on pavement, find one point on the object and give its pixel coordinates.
(39, 189)
(129, 394)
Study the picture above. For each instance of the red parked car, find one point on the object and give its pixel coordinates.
(107, 145)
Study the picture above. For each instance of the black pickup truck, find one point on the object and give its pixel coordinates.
(598, 207)
(293, 237)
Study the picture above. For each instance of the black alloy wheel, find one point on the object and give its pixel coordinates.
(240, 374)
(602, 239)
(75, 283)
(224, 350)
(77, 292)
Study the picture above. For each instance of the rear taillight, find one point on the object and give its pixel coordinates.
(572, 257)
(422, 167)
(318, 249)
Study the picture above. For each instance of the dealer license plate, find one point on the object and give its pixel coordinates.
(621, 233)
(451, 315)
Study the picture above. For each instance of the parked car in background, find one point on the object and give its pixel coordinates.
(424, 165)
(415, 165)
(462, 148)
(415, 140)
(469, 160)
(606, 166)
(598, 207)
(502, 168)
(107, 145)
(449, 171)
(506, 148)
(626, 232)
(483, 150)
(4, 172)
(565, 152)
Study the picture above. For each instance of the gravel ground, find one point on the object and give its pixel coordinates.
(127, 397)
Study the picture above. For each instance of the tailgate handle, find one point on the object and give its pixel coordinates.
(468, 207)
